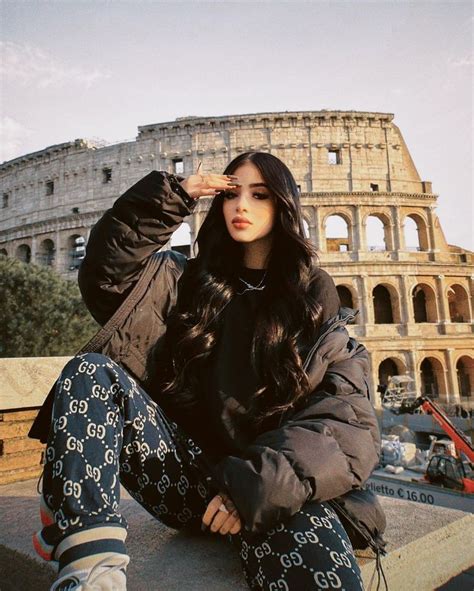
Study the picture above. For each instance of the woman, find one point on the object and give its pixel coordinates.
(223, 391)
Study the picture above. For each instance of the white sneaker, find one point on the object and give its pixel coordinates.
(107, 575)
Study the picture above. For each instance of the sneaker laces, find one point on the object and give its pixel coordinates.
(100, 570)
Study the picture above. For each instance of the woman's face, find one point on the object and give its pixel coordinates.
(249, 210)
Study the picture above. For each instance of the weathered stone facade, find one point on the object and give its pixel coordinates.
(415, 301)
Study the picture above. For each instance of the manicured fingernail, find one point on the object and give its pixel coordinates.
(203, 527)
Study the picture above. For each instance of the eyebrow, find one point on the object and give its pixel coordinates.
(258, 185)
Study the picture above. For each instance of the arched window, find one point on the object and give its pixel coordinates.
(23, 253)
(424, 303)
(375, 230)
(383, 313)
(3, 251)
(412, 241)
(429, 382)
(345, 296)
(415, 233)
(337, 234)
(387, 369)
(181, 240)
(306, 229)
(46, 253)
(419, 305)
(76, 249)
(465, 374)
(458, 304)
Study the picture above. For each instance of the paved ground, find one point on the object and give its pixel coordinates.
(463, 582)
(19, 572)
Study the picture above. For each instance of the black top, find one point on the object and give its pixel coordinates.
(231, 380)
(218, 421)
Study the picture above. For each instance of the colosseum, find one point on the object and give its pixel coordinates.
(370, 215)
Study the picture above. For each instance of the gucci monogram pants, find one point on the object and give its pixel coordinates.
(106, 430)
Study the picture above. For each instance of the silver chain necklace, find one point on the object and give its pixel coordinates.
(251, 287)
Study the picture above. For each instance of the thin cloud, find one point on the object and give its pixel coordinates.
(13, 137)
(463, 62)
(31, 66)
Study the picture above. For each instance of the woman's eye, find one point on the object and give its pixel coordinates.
(230, 195)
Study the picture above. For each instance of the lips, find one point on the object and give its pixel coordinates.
(240, 220)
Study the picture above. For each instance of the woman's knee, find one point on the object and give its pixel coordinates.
(85, 363)
(90, 375)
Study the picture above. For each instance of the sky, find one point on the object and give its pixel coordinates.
(98, 69)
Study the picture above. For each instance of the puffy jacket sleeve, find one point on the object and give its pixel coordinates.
(140, 222)
(321, 451)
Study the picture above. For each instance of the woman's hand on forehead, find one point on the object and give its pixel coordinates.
(208, 185)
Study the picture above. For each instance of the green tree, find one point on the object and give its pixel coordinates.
(41, 314)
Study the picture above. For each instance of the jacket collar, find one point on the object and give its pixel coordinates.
(342, 318)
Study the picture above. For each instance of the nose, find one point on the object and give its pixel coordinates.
(241, 202)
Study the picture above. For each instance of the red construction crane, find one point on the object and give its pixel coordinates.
(445, 469)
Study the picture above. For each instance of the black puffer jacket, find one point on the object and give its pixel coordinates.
(321, 450)
(324, 449)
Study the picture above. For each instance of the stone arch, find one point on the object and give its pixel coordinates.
(307, 233)
(76, 249)
(46, 253)
(386, 310)
(458, 302)
(390, 366)
(181, 239)
(338, 232)
(432, 377)
(423, 300)
(415, 232)
(309, 224)
(23, 253)
(465, 376)
(377, 232)
(345, 296)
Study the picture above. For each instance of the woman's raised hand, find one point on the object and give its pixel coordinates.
(222, 516)
(208, 185)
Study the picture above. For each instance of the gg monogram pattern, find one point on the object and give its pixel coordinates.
(106, 430)
(310, 551)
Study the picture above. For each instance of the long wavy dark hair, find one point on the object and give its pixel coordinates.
(287, 313)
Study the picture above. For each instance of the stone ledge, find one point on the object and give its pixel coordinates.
(20, 457)
(426, 546)
(26, 381)
(24, 384)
